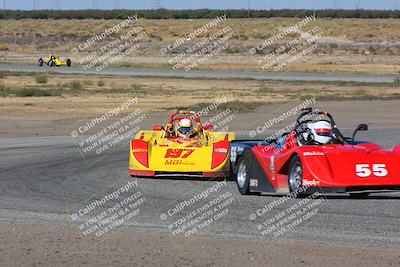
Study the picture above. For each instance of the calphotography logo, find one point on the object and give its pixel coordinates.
(199, 213)
(277, 120)
(290, 51)
(200, 46)
(279, 217)
(199, 133)
(103, 134)
(111, 46)
(106, 213)
(104, 35)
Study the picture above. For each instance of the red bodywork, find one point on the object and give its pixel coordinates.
(331, 168)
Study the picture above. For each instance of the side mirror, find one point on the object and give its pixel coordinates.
(208, 127)
(158, 128)
(360, 127)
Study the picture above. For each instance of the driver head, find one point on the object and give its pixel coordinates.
(185, 129)
(320, 132)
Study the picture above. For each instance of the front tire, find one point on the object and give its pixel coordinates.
(51, 63)
(69, 62)
(242, 175)
(295, 179)
(40, 62)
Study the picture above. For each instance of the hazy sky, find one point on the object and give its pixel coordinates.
(194, 4)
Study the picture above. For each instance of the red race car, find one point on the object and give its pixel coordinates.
(315, 156)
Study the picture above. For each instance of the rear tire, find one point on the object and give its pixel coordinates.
(295, 179)
(40, 62)
(51, 63)
(69, 62)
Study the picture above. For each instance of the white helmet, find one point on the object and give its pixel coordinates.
(185, 128)
(320, 132)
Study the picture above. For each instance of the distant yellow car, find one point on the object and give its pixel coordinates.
(161, 152)
(51, 61)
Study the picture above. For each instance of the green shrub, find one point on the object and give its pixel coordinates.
(41, 78)
(397, 80)
(88, 82)
(29, 92)
(3, 89)
(75, 86)
(101, 83)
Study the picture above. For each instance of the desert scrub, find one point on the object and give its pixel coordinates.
(41, 78)
(3, 89)
(75, 86)
(88, 82)
(30, 91)
(101, 83)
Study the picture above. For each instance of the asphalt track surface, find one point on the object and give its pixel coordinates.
(45, 179)
(138, 72)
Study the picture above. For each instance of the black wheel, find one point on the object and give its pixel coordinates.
(40, 62)
(51, 63)
(295, 175)
(69, 62)
(243, 174)
(359, 195)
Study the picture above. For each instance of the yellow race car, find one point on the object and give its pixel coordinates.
(51, 61)
(184, 147)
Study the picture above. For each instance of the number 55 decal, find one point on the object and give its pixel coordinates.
(365, 170)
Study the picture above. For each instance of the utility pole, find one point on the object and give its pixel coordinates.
(357, 4)
(157, 4)
(35, 4)
(57, 4)
(4, 9)
(116, 4)
(337, 4)
(95, 4)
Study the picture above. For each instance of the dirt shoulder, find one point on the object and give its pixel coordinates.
(55, 246)
(348, 114)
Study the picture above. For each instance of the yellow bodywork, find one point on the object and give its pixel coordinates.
(55, 61)
(192, 156)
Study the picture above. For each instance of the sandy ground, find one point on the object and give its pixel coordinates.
(348, 114)
(61, 246)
